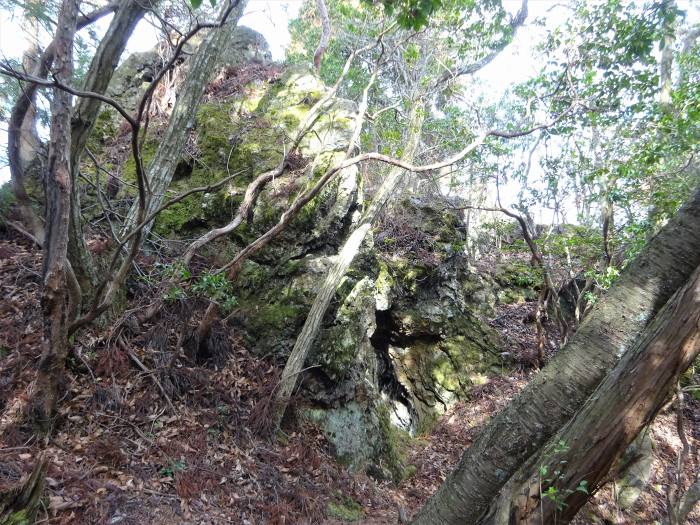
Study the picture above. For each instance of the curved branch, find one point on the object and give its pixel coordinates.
(178, 50)
(303, 199)
(9, 71)
(470, 69)
(255, 187)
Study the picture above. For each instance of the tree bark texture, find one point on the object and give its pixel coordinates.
(56, 299)
(18, 122)
(623, 404)
(347, 254)
(20, 504)
(85, 114)
(325, 33)
(561, 388)
(182, 121)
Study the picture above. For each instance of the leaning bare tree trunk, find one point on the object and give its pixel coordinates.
(325, 33)
(347, 254)
(23, 141)
(84, 116)
(172, 143)
(624, 403)
(56, 300)
(557, 392)
(21, 112)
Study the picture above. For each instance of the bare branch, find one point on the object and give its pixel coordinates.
(7, 70)
(100, 303)
(304, 198)
(255, 187)
(178, 50)
(470, 69)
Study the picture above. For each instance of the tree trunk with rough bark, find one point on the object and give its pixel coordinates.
(23, 141)
(57, 299)
(561, 388)
(558, 481)
(347, 254)
(182, 120)
(18, 122)
(85, 114)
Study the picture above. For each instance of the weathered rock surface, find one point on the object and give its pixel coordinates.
(134, 75)
(405, 336)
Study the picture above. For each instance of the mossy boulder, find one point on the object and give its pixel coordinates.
(402, 341)
(347, 340)
(274, 301)
(404, 336)
(246, 135)
(517, 281)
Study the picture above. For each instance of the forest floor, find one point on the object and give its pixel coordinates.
(123, 453)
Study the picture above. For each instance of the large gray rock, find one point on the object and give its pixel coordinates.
(404, 337)
(134, 75)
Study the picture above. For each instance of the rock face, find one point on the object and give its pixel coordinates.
(403, 341)
(404, 337)
(134, 75)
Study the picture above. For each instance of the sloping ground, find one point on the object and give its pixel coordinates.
(121, 454)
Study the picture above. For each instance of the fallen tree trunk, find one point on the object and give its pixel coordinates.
(561, 388)
(558, 481)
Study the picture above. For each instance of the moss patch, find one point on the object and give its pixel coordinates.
(345, 508)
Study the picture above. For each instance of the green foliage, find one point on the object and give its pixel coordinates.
(217, 288)
(410, 14)
(174, 294)
(345, 508)
(606, 278)
(549, 478)
(173, 467)
(197, 3)
(176, 270)
(7, 199)
(622, 148)
(518, 273)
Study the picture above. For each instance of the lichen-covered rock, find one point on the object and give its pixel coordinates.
(133, 76)
(404, 336)
(402, 342)
(636, 470)
(248, 134)
(518, 281)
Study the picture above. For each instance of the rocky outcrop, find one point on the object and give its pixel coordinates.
(134, 75)
(405, 336)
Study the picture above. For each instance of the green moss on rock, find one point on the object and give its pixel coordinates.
(345, 508)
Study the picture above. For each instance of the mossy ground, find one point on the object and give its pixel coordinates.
(345, 508)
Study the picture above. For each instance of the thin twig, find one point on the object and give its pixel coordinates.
(149, 372)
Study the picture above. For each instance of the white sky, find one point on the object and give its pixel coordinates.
(271, 18)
